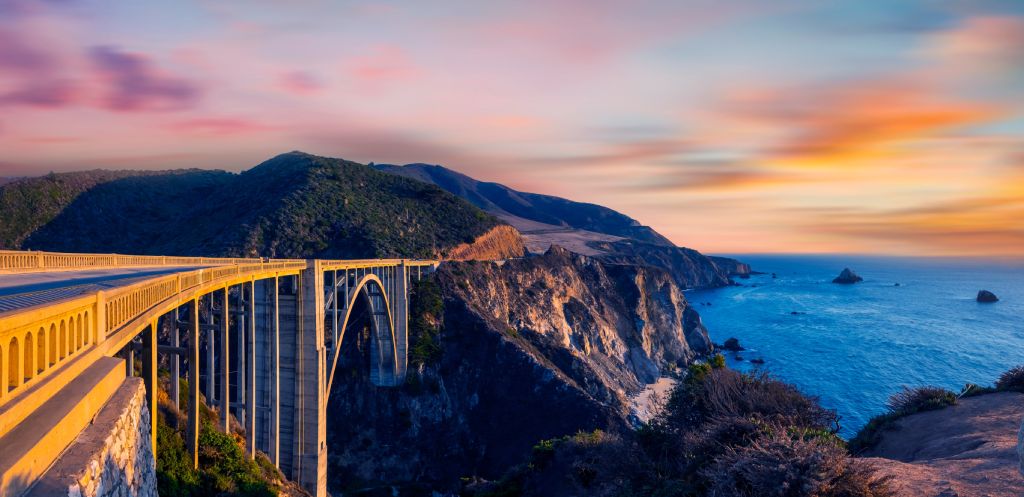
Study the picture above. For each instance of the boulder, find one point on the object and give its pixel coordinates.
(732, 344)
(987, 296)
(847, 277)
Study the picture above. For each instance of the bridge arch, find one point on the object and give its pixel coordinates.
(383, 342)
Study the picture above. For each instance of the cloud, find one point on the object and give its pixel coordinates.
(219, 126)
(962, 227)
(30, 76)
(383, 64)
(300, 83)
(134, 84)
(824, 124)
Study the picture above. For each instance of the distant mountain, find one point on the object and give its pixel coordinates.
(515, 207)
(583, 228)
(293, 205)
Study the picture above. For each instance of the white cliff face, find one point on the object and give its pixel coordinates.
(627, 324)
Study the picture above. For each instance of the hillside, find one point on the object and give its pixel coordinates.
(525, 210)
(586, 229)
(293, 205)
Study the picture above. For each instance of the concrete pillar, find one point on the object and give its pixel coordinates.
(192, 433)
(149, 372)
(240, 356)
(400, 318)
(224, 395)
(310, 438)
(175, 363)
(275, 373)
(211, 369)
(129, 361)
(250, 369)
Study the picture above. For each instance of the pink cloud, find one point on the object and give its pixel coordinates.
(300, 83)
(384, 64)
(219, 126)
(134, 84)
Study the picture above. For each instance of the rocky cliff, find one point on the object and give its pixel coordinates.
(500, 242)
(517, 352)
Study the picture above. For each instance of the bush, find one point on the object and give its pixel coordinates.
(1012, 380)
(903, 403)
(913, 400)
(781, 465)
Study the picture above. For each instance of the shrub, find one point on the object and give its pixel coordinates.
(781, 465)
(1012, 380)
(913, 400)
(903, 403)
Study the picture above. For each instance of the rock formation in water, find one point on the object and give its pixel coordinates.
(732, 344)
(526, 350)
(986, 296)
(847, 277)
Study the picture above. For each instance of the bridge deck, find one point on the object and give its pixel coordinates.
(19, 291)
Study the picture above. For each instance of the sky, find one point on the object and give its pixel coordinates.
(892, 127)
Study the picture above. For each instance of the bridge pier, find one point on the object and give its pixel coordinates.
(310, 423)
(224, 372)
(149, 375)
(192, 431)
(249, 410)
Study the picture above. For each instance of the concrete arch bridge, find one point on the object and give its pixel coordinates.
(263, 338)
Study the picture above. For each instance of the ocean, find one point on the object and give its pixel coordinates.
(855, 345)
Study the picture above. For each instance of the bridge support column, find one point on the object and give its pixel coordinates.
(250, 368)
(192, 432)
(149, 372)
(265, 390)
(223, 330)
(211, 368)
(310, 424)
(175, 363)
(400, 317)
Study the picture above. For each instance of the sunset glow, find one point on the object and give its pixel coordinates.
(788, 126)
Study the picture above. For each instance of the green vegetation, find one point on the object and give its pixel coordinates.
(224, 469)
(903, 403)
(294, 205)
(425, 312)
(1012, 380)
(720, 433)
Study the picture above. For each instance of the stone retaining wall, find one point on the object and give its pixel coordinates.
(113, 457)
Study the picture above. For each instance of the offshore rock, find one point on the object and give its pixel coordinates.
(986, 296)
(847, 277)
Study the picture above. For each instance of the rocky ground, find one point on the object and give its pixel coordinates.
(966, 450)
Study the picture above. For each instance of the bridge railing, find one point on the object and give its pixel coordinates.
(37, 340)
(15, 261)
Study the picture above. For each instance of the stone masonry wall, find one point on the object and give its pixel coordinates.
(113, 457)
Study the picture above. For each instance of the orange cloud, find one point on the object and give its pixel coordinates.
(856, 120)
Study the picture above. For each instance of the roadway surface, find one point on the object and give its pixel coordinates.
(18, 291)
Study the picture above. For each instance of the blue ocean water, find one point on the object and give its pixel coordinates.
(855, 345)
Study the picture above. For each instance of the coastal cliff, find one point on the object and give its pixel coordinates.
(500, 242)
(518, 352)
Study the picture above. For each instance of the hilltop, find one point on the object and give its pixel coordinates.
(293, 205)
(583, 228)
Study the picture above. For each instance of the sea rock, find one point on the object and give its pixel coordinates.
(987, 296)
(757, 360)
(847, 277)
(732, 344)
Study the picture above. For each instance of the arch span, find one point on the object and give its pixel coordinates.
(383, 351)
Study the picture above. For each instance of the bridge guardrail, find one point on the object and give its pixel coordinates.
(15, 261)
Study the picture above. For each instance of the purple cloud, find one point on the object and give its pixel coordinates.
(134, 84)
(44, 94)
(17, 56)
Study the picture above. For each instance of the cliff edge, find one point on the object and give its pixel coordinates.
(969, 449)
